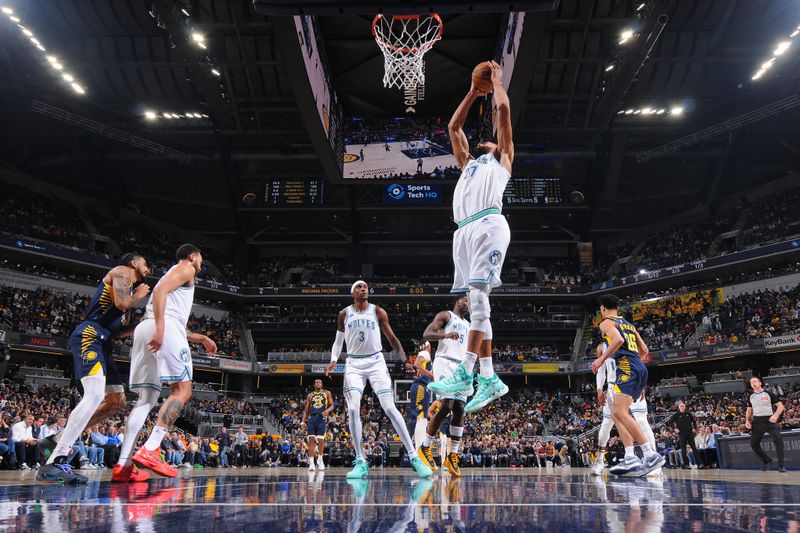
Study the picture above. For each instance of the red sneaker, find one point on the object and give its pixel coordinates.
(128, 474)
(152, 460)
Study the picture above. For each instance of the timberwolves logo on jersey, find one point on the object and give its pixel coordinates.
(361, 323)
(184, 355)
(495, 256)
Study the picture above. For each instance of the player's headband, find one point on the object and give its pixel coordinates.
(353, 287)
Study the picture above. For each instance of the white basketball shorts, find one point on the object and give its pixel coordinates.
(479, 249)
(359, 370)
(171, 364)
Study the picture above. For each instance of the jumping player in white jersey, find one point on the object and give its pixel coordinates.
(606, 377)
(161, 354)
(481, 240)
(450, 329)
(360, 326)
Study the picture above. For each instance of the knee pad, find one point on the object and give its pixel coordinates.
(479, 309)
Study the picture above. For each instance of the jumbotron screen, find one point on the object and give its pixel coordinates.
(399, 159)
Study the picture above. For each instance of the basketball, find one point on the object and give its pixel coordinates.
(482, 77)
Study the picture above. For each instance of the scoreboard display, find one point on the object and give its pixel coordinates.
(293, 191)
(533, 191)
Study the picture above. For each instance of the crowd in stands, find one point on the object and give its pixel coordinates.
(47, 312)
(42, 217)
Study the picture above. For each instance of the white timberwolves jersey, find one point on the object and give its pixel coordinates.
(610, 369)
(178, 306)
(480, 187)
(361, 332)
(450, 348)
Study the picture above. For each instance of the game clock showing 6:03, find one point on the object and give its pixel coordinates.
(293, 191)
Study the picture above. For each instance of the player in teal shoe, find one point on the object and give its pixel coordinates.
(489, 389)
(420, 467)
(360, 470)
(460, 383)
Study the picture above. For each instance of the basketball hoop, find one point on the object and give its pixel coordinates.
(404, 40)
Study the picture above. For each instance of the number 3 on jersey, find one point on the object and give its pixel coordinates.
(361, 336)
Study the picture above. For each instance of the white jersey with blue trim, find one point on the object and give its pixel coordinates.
(451, 348)
(480, 187)
(362, 335)
(179, 303)
(607, 375)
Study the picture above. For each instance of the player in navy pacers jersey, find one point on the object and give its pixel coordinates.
(91, 345)
(319, 404)
(626, 346)
(420, 395)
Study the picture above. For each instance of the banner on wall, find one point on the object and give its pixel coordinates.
(320, 369)
(235, 366)
(287, 369)
(784, 342)
(540, 368)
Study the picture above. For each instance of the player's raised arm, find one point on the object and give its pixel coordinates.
(505, 142)
(458, 139)
(386, 329)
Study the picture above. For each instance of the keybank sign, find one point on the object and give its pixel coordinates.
(402, 193)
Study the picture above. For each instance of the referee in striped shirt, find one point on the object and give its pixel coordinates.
(762, 417)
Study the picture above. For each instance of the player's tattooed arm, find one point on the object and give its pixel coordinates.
(121, 287)
(171, 412)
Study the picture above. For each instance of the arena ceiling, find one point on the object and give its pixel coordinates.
(132, 56)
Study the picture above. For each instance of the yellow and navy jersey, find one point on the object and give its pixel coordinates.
(629, 348)
(319, 402)
(102, 310)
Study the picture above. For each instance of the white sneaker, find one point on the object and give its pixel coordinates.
(311, 466)
(656, 473)
(320, 464)
(24, 467)
(597, 467)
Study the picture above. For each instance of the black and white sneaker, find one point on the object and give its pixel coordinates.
(59, 472)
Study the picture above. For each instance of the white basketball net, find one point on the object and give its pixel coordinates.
(404, 39)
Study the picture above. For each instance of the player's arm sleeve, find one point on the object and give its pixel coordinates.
(336, 349)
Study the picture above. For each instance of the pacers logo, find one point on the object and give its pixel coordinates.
(350, 158)
(396, 192)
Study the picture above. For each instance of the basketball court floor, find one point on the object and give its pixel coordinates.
(487, 500)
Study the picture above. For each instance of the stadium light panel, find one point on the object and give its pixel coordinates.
(642, 271)
(12, 18)
(609, 68)
(641, 6)
(782, 47)
(185, 12)
(77, 88)
(625, 36)
(7, 10)
(677, 111)
(215, 72)
(68, 77)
